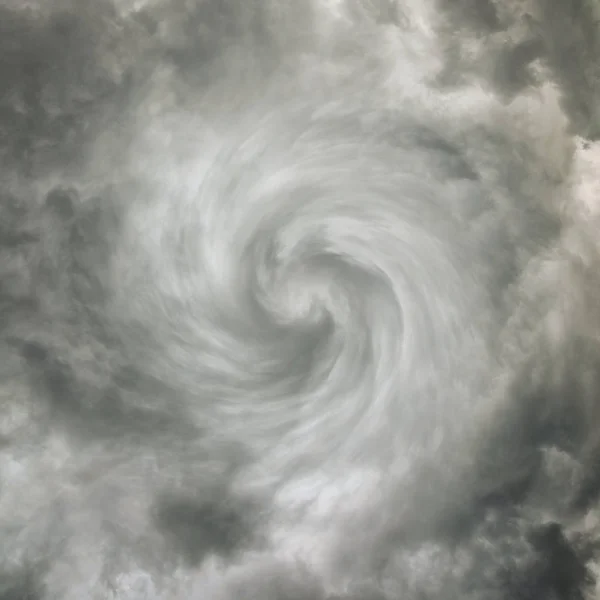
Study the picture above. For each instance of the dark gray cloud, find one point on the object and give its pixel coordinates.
(298, 300)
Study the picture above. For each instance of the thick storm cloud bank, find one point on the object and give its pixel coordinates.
(299, 301)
